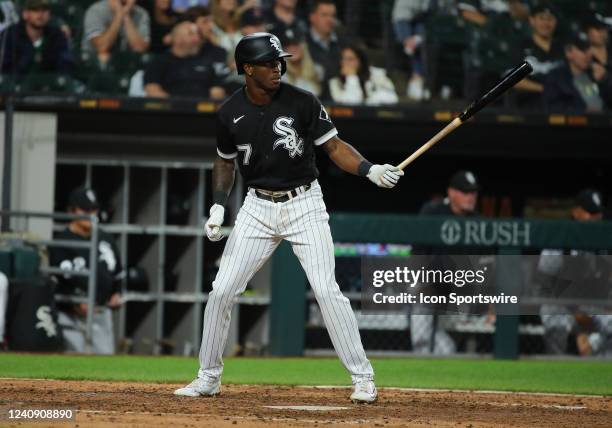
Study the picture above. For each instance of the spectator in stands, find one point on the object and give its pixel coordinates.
(301, 69)
(323, 41)
(283, 16)
(359, 83)
(408, 18)
(181, 6)
(477, 11)
(544, 54)
(163, 19)
(202, 18)
(72, 316)
(599, 38)
(182, 72)
(226, 14)
(3, 304)
(251, 21)
(427, 325)
(33, 46)
(112, 25)
(580, 85)
(593, 333)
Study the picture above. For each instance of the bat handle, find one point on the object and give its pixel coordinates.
(443, 133)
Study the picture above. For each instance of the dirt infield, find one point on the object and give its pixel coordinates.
(111, 404)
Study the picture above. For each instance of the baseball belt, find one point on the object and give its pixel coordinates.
(281, 195)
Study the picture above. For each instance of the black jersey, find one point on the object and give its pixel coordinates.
(76, 259)
(274, 143)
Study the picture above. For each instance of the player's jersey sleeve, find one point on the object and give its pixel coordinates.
(225, 144)
(321, 127)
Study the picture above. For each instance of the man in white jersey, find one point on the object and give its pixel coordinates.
(271, 129)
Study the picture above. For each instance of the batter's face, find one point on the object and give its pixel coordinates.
(462, 202)
(266, 76)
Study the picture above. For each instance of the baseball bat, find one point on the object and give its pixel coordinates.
(511, 79)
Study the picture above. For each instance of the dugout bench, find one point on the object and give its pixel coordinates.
(506, 236)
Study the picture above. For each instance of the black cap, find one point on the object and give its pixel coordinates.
(84, 198)
(252, 16)
(464, 181)
(594, 22)
(544, 7)
(590, 200)
(578, 40)
(290, 37)
(36, 5)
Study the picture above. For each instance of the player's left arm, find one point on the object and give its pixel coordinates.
(347, 158)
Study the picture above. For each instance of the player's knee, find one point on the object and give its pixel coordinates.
(328, 293)
(220, 294)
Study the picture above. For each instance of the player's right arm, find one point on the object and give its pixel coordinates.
(222, 180)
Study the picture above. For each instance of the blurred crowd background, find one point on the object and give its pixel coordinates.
(351, 52)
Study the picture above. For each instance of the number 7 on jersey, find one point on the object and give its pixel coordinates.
(247, 152)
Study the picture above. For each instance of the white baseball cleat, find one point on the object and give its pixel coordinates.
(365, 391)
(208, 386)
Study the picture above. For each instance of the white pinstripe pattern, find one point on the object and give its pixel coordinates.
(259, 228)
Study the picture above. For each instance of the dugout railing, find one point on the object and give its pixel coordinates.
(90, 273)
(289, 292)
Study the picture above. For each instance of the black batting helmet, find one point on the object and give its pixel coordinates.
(259, 47)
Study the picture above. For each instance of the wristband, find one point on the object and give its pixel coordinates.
(220, 197)
(364, 168)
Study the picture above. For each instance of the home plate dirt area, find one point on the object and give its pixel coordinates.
(112, 404)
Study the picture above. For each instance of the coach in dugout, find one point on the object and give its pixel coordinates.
(557, 269)
(72, 316)
(427, 327)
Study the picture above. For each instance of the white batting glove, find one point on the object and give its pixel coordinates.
(385, 175)
(214, 222)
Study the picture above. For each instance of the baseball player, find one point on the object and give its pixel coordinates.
(71, 317)
(270, 129)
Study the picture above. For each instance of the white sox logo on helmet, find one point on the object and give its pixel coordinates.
(275, 44)
(290, 140)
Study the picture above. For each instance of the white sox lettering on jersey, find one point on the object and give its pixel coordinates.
(274, 143)
(290, 140)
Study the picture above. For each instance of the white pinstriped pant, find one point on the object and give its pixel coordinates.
(260, 226)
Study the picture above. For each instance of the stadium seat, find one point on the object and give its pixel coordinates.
(127, 62)
(108, 83)
(47, 82)
(447, 39)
